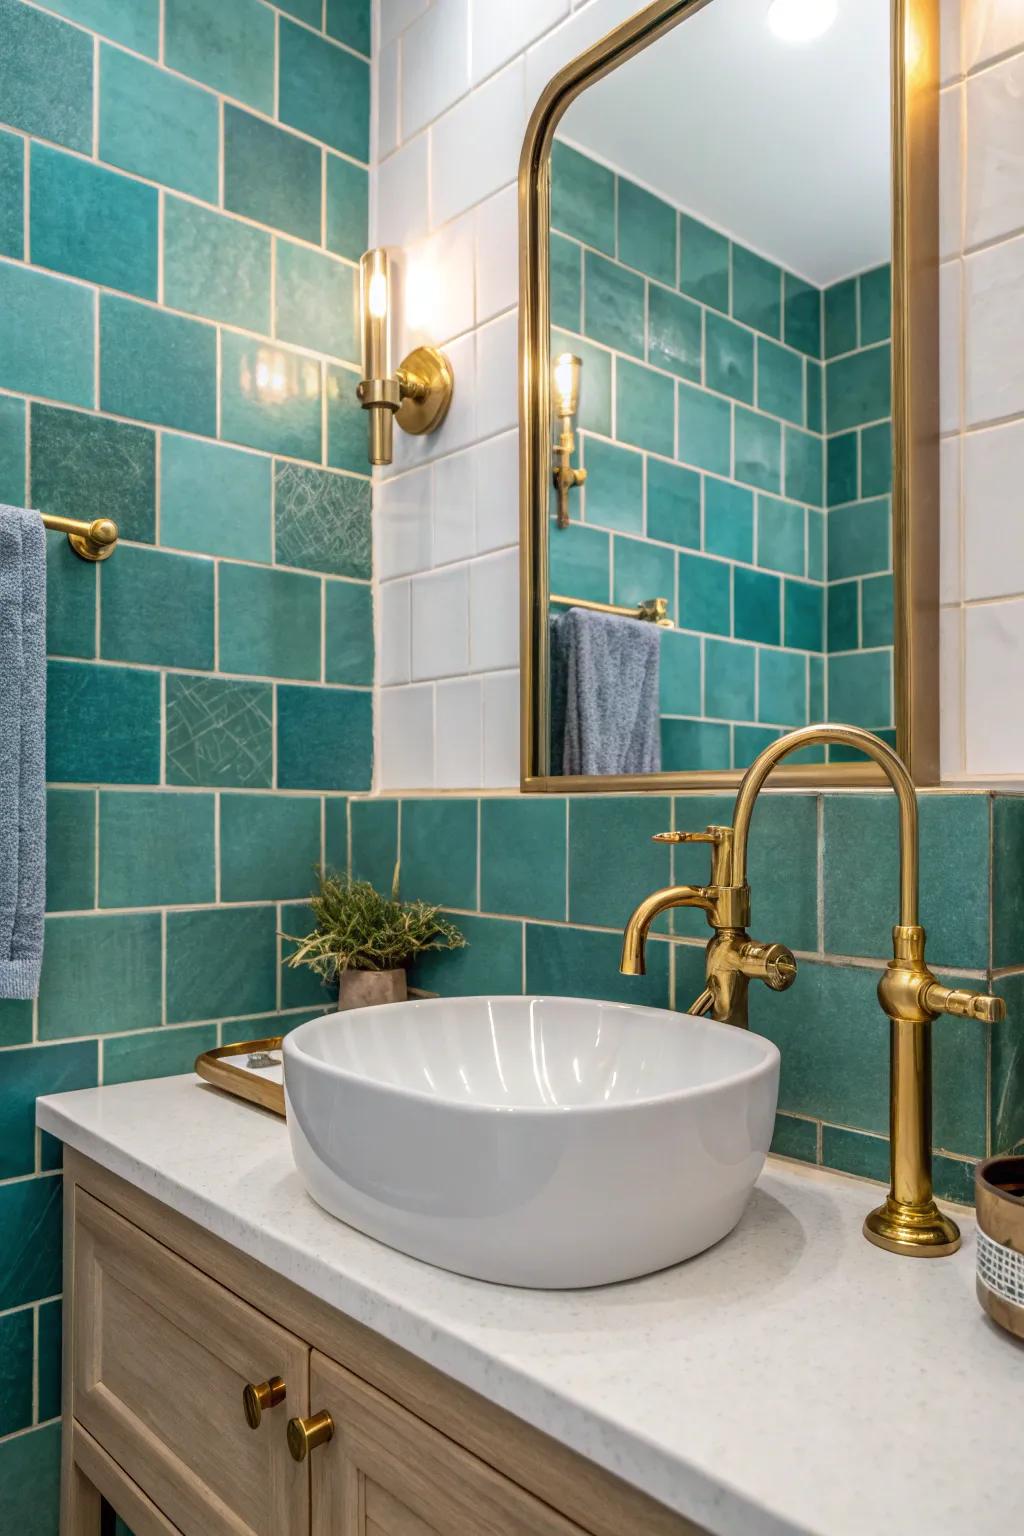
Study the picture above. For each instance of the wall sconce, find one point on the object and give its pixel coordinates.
(417, 395)
(566, 378)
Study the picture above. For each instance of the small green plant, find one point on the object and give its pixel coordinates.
(358, 929)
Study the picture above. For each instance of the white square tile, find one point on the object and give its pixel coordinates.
(435, 63)
(990, 28)
(475, 147)
(396, 15)
(951, 104)
(402, 211)
(402, 515)
(501, 730)
(405, 737)
(995, 152)
(951, 755)
(588, 23)
(440, 623)
(394, 633)
(459, 745)
(994, 651)
(438, 281)
(950, 346)
(455, 507)
(950, 583)
(497, 373)
(497, 254)
(458, 430)
(494, 611)
(387, 100)
(503, 30)
(993, 508)
(994, 332)
(950, 66)
(497, 492)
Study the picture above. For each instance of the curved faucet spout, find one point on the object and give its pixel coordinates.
(634, 938)
(871, 746)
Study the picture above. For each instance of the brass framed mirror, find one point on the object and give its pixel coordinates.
(729, 394)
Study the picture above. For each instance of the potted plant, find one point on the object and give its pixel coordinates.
(363, 941)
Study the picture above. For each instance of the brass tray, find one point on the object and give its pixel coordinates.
(215, 1067)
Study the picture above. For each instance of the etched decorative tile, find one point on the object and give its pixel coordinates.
(219, 732)
(322, 521)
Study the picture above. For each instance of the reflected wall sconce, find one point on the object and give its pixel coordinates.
(566, 395)
(419, 391)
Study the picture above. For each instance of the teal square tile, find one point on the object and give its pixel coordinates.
(817, 689)
(815, 390)
(728, 520)
(523, 856)
(214, 500)
(613, 305)
(1007, 888)
(491, 962)
(815, 545)
(16, 1346)
(647, 232)
(876, 612)
(157, 608)
(269, 622)
(866, 1157)
(691, 745)
(679, 673)
(673, 504)
(270, 398)
(439, 853)
(642, 571)
(860, 688)
(349, 22)
(46, 78)
(580, 563)
(644, 407)
(324, 738)
(859, 539)
(221, 962)
(844, 616)
(571, 962)
(804, 466)
(582, 198)
(322, 521)
(781, 536)
(12, 195)
(801, 315)
(780, 381)
(615, 832)
(566, 283)
(324, 91)
(136, 25)
(348, 646)
(269, 846)
(50, 1360)
(28, 1073)
(785, 836)
(673, 333)
(842, 470)
(86, 466)
(374, 842)
(71, 596)
(595, 413)
(729, 680)
(92, 223)
(960, 1084)
(271, 175)
(705, 430)
(703, 594)
(756, 291)
(347, 207)
(229, 46)
(614, 493)
(101, 975)
(756, 606)
(46, 334)
(71, 849)
(317, 300)
(875, 305)
(795, 1139)
(30, 1268)
(12, 451)
(159, 1053)
(859, 388)
(758, 450)
(876, 460)
(30, 1480)
(336, 833)
(215, 266)
(1008, 1069)
(703, 263)
(158, 125)
(729, 358)
(782, 688)
(803, 618)
(157, 367)
(156, 849)
(309, 11)
(300, 987)
(102, 724)
(219, 732)
(841, 317)
(15, 1021)
(346, 424)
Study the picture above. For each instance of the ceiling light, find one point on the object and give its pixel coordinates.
(798, 21)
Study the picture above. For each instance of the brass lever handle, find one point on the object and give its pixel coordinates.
(256, 1399)
(771, 963)
(685, 837)
(304, 1435)
(964, 1004)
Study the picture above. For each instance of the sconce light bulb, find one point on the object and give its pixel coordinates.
(799, 21)
(377, 297)
(567, 384)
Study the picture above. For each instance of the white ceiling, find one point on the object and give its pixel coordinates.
(785, 147)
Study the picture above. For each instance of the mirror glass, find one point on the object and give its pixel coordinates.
(720, 268)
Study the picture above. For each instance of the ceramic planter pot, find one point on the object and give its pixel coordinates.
(363, 989)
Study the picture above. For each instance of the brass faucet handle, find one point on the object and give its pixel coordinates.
(773, 964)
(686, 837)
(964, 1004)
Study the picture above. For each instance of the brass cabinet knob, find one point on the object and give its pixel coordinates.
(304, 1435)
(256, 1399)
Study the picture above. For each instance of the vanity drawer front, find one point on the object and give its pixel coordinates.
(162, 1354)
(386, 1473)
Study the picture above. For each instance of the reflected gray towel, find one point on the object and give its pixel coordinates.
(22, 750)
(604, 694)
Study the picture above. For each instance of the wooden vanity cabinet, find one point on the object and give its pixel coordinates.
(164, 1327)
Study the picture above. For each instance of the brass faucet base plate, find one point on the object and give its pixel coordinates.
(425, 410)
(920, 1232)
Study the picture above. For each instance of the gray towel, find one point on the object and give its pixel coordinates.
(604, 694)
(22, 750)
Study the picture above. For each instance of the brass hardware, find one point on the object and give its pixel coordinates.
(256, 1399)
(653, 610)
(95, 540)
(418, 393)
(214, 1067)
(304, 1435)
(566, 389)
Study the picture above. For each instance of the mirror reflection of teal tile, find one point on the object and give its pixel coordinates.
(703, 263)
(673, 503)
(815, 396)
(875, 305)
(579, 562)
(566, 282)
(780, 381)
(841, 317)
(801, 315)
(804, 466)
(858, 539)
(614, 490)
(644, 407)
(782, 688)
(859, 388)
(703, 594)
(728, 520)
(748, 741)
(844, 615)
(815, 545)
(817, 688)
(860, 688)
(757, 606)
(643, 571)
(613, 306)
(729, 680)
(729, 358)
(803, 615)
(876, 612)
(758, 450)
(582, 198)
(876, 460)
(595, 412)
(12, 450)
(841, 474)
(756, 291)
(705, 430)
(647, 232)
(673, 333)
(687, 745)
(679, 673)
(781, 542)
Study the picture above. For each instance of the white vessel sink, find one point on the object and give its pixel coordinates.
(536, 1141)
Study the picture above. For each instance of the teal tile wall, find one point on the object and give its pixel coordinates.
(210, 703)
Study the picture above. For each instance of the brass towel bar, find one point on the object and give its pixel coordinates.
(95, 540)
(653, 609)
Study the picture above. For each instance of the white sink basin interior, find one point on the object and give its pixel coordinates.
(536, 1141)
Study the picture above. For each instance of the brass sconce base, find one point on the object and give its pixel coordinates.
(919, 1231)
(427, 384)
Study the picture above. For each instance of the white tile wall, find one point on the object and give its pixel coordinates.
(440, 623)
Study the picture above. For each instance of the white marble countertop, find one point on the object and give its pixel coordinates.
(793, 1379)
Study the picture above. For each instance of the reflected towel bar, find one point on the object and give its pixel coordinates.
(653, 609)
(95, 540)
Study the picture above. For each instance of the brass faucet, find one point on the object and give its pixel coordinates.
(909, 1221)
